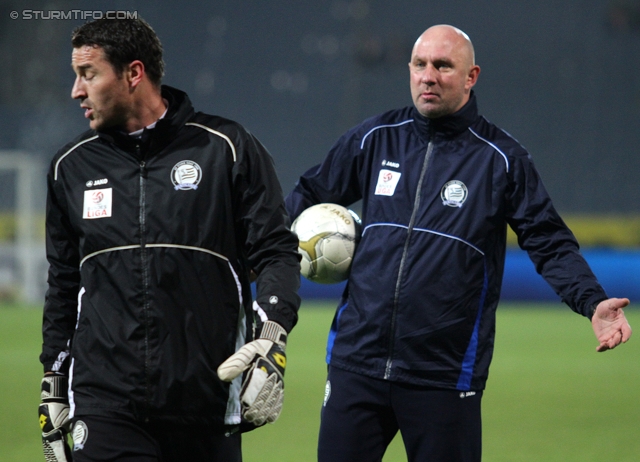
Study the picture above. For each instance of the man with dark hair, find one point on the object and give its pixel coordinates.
(156, 218)
(412, 339)
(131, 40)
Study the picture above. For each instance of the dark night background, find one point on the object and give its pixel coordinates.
(561, 76)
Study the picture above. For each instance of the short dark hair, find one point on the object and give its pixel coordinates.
(123, 41)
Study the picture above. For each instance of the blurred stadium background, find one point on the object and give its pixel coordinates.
(562, 77)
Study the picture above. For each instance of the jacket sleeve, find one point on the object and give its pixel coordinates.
(61, 300)
(339, 179)
(550, 244)
(270, 246)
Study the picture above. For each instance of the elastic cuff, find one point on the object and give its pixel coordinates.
(54, 387)
(274, 332)
(592, 304)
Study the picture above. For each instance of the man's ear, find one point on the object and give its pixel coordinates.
(135, 73)
(472, 77)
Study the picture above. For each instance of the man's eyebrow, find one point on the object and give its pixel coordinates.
(81, 67)
(445, 61)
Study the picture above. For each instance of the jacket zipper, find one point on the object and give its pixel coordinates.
(142, 221)
(405, 252)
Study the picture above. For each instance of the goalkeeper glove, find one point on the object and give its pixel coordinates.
(262, 392)
(54, 418)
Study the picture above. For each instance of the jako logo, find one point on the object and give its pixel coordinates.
(97, 182)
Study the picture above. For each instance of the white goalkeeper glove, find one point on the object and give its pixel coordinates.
(262, 392)
(54, 418)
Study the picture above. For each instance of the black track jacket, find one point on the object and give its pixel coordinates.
(150, 244)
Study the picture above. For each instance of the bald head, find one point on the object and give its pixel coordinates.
(442, 70)
(451, 36)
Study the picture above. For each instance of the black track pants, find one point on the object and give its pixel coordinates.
(98, 438)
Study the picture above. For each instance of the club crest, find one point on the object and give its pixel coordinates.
(454, 193)
(80, 434)
(186, 175)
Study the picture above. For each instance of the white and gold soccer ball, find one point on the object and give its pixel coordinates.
(327, 235)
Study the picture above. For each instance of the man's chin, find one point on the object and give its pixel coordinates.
(95, 123)
(100, 125)
(431, 111)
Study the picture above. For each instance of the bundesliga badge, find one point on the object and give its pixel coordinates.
(97, 203)
(387, 182)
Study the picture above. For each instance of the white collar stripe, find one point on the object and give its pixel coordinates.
(221, 135)
(506, 161)
(55, 173)
(382, 126)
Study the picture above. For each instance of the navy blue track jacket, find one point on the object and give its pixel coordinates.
(437, 195)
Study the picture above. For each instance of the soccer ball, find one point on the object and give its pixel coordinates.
(327, 235)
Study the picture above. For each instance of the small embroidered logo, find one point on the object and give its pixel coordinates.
(454, 193)
(186, 175)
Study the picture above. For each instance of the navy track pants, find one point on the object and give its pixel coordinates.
(361, 415)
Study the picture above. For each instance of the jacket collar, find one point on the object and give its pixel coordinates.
(450, 125)
(179, 112)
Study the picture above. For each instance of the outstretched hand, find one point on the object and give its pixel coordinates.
(610, 324)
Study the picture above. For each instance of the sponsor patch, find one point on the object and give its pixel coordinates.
(387, 182)
(97, 203)
(186, 175)
(454, 193)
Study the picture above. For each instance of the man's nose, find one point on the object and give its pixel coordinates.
(78, 91)
(428, 75)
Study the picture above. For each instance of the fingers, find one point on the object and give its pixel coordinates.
(618, 337)
(605, 345)
(242, 359)
(617, 303)
(235, 365)
(608, 345)
(611, 307)
(229, 371)
(262, 397)
(625, 330)
(610, 324)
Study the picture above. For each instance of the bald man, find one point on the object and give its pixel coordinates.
(412, 338)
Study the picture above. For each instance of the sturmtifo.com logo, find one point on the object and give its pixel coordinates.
(68, 15)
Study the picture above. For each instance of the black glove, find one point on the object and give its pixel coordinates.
(54, 418)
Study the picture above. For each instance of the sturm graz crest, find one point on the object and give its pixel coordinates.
(186, 175)
(454, 193)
